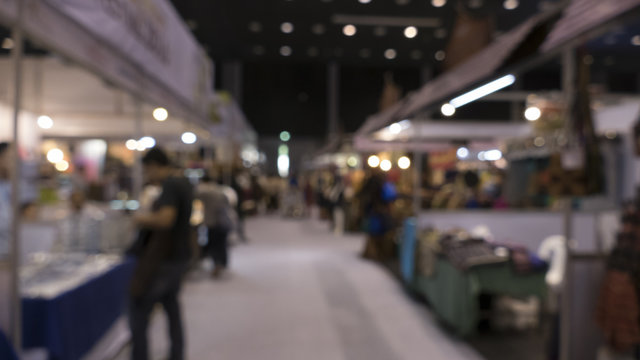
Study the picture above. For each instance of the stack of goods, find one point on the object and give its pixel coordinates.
(464, 252)
(49, 275)
(618, 311)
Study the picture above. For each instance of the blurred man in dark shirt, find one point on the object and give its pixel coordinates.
(163, 255)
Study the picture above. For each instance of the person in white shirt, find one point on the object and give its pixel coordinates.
(219, 219)
(80, 231)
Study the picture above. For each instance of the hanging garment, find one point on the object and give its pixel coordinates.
(618, 311)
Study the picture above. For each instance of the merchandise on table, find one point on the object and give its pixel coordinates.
(49, 275)
(618, 312)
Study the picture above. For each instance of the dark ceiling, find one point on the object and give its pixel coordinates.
(285, 75)
(251, 30)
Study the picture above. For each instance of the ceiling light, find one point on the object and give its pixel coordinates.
(462, 153)
(438, 3)
(259, 50)
(475, 4)
(352, 161)
(532, 113)
(283, 165)
(62, 166)
(404, 163)
(440, 33)
(440, 55)
(483, 91)
(385, 165)
(390, 54)
(148, 142)
(286, 51)
(7, 43)
(283, 150)
(140, 147)
(349, 30)
(255, 27)
(395, 128)
(365, 53)
(160, 114)
(539, 141)
(318, 29)
(131, 144)
(55, 156)
(189, 138)
(403, 2)
(364, 1)
(380, 31)
(511, 4)
(448, 109)
(636, 40)
(493, 155)
(416, 54)
(285, 136)
(286, 27)
(410, 32)
(373, 161)
(45, 122)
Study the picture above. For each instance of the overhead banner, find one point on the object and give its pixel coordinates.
(151, 34)
(141, 45)
(582, 16)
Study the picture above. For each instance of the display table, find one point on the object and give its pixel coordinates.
(6, 350)
(453, 294)
(70, 324)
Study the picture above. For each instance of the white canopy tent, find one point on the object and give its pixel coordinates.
(83, 106)
(142, 48)
(429, 135)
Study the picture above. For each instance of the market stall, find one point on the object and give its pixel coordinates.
(587, 216)
(104, 84)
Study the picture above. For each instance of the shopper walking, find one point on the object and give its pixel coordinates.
(5, 198)
(241, 184)
(163, 251)
(219, 219)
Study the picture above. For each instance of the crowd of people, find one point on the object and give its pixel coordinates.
(175, 208)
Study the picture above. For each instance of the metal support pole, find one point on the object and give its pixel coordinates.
(568, 86)
(137, 166)
(417, 184)
(333, 97)
(17, 57)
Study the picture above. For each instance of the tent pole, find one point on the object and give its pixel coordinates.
(417, 183)
(568, 87)
(137, 166)
(17, 57)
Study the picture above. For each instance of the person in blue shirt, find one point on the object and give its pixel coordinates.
(5, 198)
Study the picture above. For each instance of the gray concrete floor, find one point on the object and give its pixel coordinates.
(295, 292)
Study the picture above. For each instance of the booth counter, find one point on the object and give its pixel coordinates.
(591, 230)
(67, 316)
(454, 293)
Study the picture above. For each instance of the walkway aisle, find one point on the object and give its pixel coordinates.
(297, 292)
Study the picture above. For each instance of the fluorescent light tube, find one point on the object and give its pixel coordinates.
(483, 91)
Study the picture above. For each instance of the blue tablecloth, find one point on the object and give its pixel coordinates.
(6, 350)
(69, 325)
